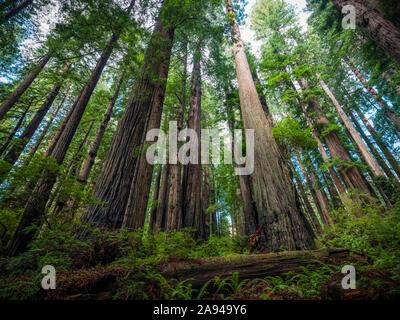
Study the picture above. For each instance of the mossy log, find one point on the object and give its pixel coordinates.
(200, 271)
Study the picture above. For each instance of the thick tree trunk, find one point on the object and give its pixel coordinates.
(15, 10)
(20, 90)
(36, 204)
(351, 175)
(174, 215)
(193, 216)
(154, 206)
(114, 184)
(369, 159)
(282, 225)
(392, 117)
(199, 272)
(373, 24)
(90, 159)
(15, 152)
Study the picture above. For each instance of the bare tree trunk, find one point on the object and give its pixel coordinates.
(206, 200)
(192, 208)
(282, 225)
(369, 159)
(372, 23)
(15, 10)
(114, 184)
(20, 90)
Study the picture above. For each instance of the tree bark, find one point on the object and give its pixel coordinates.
(282, 225)
(161, 217)
(154, 206)
(20, 90)
(373, 24)
(174, 215)
(15, 10)
(90, 159)
(369, 159)
(36, 204)
(15, 152)
(351, 175)
(193, 216)
(114, 184)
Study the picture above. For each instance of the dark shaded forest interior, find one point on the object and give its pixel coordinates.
(109, 178)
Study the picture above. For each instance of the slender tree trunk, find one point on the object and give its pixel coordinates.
(337, 182)
(375, 152)
(15, 130)
(372, 23)
(114, 184)
(90, 159)
(351, 175)
(389, 156)
(35, 147)
(391, 115)
(213, 214)
(156, 194)
(206, 200)
(192, 208)
(308, 207)
(15, 10)
(15, 152)
(161, 217)
(369, 159)
(282, 225)
(19, 91)
(321, 196)
(36, 204)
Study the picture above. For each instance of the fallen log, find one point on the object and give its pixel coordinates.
(200, 271)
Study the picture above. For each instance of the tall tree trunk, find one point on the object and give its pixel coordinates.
(161, 217)
(19, 91)
(206, 200)
(114, 184)
(35, 147)
(174, 215)
(15, 152)
(391, 115)
(314, 221)
(389, 156)
(351, 175)
(154, 206)
(375, 152)
(90, 159)
(35, 207)
(372, 23)
(15, 130)
(369, 159)
(191, 207)
(213, 214)
(282, 225)
(15, 10)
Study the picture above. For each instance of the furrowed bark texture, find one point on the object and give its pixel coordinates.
(114, 184)
(373, 24)
(279, 215)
